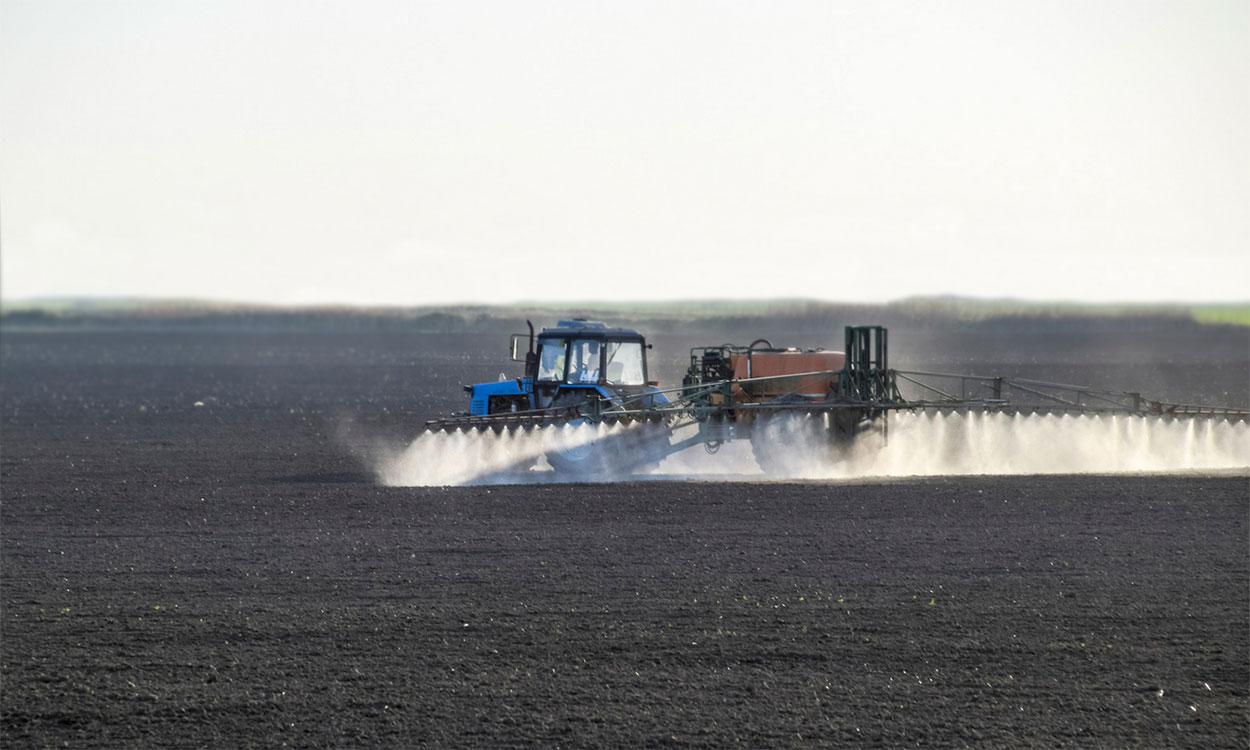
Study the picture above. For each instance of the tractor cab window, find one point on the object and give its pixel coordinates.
(624, 363)
(584, 361)
(551, 360)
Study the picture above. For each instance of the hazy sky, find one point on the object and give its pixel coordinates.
(411, 153)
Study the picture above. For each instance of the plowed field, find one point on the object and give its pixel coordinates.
(192, 558)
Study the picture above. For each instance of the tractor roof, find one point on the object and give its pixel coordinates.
(593, 329)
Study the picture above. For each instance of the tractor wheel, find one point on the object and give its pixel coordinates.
(798, 443)
(589, 452)
(791, 444)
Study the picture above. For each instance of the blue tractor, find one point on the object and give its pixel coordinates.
(587, 391)
(575, 370)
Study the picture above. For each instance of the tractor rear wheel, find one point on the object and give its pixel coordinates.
(592, 452)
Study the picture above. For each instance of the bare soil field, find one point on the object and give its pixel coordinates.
(192, 557)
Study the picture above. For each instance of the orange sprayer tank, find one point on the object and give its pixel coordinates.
(770, 364)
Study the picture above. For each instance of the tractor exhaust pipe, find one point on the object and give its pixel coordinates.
(531, 357)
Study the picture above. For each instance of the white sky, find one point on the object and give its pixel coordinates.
(415, 153)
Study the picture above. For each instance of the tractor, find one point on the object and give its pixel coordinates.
(590, 382)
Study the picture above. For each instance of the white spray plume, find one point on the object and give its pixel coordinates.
(506, 456)
(978, 443)
(916, 444)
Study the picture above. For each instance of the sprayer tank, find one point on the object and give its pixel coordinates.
(769, 364)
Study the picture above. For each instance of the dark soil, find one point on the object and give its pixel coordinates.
(228, 575)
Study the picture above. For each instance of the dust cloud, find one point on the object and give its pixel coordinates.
(916, 444)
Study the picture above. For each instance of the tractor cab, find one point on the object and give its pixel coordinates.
(580, 357)
(569, 365)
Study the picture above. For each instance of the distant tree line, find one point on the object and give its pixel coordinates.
(801, 318)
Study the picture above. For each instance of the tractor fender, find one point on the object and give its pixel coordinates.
(651, 397)
(654, 398)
